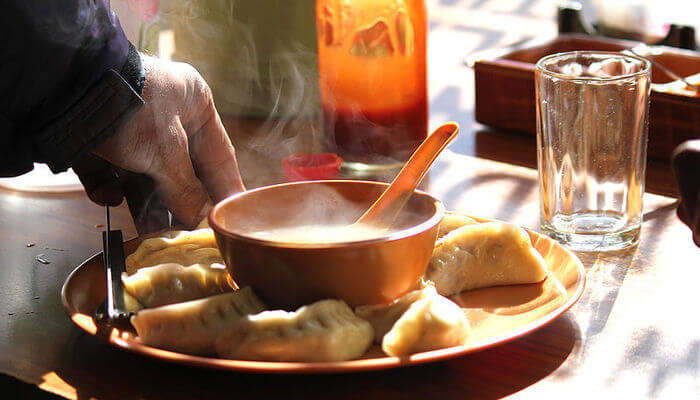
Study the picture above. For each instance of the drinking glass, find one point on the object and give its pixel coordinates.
(372, 70)
(591, 147)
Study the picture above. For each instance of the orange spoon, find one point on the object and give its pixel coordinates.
(383, 212)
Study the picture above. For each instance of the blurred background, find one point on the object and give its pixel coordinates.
(260, 58)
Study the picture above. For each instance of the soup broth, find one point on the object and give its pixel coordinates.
(309, 234)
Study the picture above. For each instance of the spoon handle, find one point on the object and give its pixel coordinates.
(663, 68)
(384, 211)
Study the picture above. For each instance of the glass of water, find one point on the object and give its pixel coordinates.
(591, 147)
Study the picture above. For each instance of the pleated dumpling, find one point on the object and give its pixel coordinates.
(482, 255)
(327, 330)
(452, 221)
(179, 247)
(383, 316)
(432, 322)
(173, 283)
(192, 327)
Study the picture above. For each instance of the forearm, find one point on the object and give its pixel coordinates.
(61, 82)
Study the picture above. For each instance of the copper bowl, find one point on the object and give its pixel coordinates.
(288, 275)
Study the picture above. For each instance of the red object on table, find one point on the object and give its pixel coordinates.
(309, 167)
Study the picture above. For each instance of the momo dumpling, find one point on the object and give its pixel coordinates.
(192, 327)
(432, 322)
(383, 316)
(203, 237)
(327, 330)
(173, 283)
(130, 303)
(482, 255)
(179, 247)
(452, 221)
(186, 254)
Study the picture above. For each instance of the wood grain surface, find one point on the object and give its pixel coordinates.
(633, 334)
(634, 329)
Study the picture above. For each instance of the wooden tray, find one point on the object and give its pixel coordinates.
(505, 89)
(497, 315)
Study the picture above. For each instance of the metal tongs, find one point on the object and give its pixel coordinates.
(115, 266)
(150, 215)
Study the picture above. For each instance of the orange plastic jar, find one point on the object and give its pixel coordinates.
(372, 69)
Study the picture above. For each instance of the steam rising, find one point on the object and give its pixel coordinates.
(260, 61)
(293, 85)
(313, 205)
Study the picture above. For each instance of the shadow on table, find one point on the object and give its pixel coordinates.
(508, 191)
(99, 371)
(605, 274)
(649, 349)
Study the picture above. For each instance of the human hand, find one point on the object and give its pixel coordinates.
(176, 138)
(686, 168)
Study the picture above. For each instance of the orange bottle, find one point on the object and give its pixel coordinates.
(372, 68)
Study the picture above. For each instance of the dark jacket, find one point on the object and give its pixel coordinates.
(68, 79)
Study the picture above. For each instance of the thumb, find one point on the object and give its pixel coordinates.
(99, 180)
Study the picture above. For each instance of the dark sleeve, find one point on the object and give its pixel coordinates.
(68, 79)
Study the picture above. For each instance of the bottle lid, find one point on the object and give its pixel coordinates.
(307, 166)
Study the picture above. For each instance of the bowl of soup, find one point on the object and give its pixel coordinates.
(296, 243)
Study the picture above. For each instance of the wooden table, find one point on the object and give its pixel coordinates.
(634, 333)
(635, 330)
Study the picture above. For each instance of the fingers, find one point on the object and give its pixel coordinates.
(99, 180)
(215, 159)
(176, 180)
(148, 211)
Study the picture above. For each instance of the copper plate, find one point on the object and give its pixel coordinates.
(497, 315)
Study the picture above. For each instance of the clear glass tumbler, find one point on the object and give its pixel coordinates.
(591, 147)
